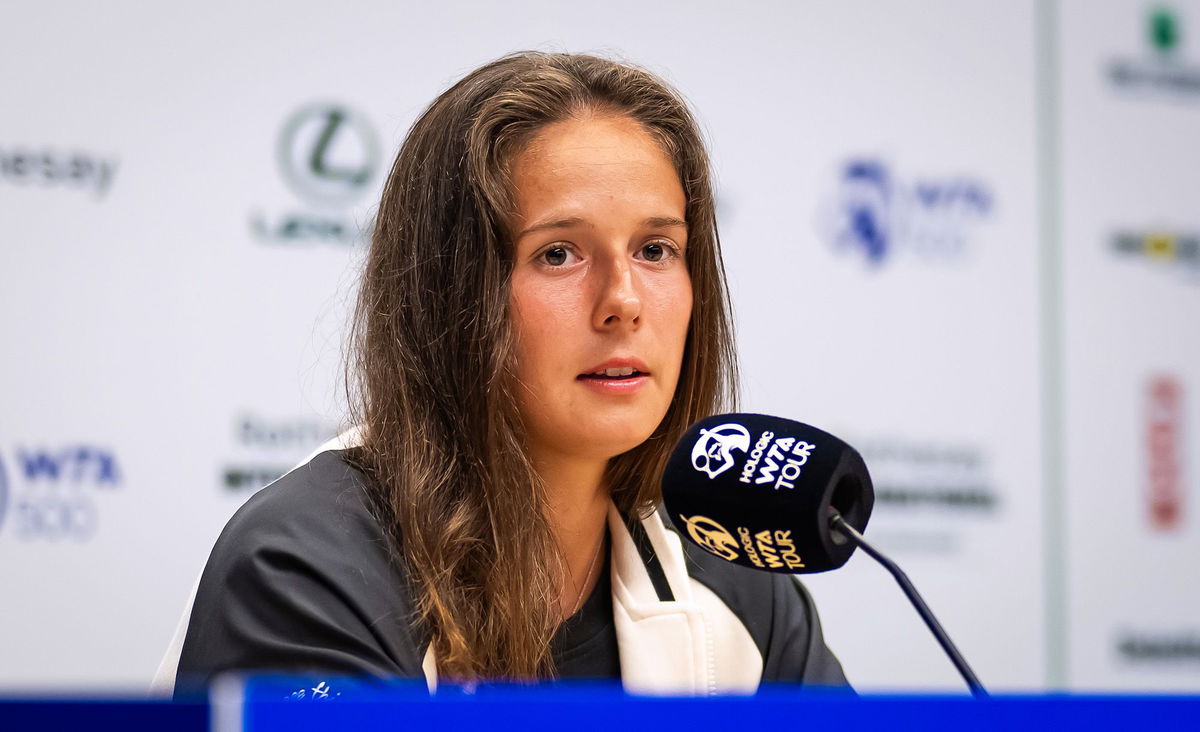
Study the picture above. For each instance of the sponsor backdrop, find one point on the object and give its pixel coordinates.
(962, 236)
(1130, 222)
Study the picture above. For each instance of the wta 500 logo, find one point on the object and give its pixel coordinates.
(877, 215)
(52, 493)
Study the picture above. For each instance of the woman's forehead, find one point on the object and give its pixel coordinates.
(580, 164)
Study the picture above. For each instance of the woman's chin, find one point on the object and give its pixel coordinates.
(617, 444)
(600, 444)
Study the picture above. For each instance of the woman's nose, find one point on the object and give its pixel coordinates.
(619, 303)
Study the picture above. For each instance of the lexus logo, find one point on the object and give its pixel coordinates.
(329, 154)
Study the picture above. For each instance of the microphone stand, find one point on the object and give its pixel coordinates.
(843, 529)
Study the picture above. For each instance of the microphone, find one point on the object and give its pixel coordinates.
(756, 491)
(780, 496)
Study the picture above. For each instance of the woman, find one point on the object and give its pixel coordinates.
(542, 314)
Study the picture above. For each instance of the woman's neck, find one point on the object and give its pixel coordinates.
(577, 509)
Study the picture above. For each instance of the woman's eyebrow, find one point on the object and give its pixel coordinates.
(663, 222)
(553, 224)
(654, 222)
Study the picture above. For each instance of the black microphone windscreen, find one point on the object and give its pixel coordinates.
(757, 491)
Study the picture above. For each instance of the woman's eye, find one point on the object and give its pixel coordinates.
(657, 251)
(555, 256)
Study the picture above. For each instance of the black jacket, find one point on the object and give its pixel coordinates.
(301, 580)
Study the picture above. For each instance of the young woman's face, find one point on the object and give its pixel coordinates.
(600, 289)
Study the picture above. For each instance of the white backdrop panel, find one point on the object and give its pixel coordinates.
(876, 177)
(1131, 170)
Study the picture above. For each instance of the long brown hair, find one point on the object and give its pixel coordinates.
(432, 350)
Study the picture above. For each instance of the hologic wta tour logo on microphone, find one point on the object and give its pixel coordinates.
(713, 452)
(770, 484)
(778, 460)
(712, 536)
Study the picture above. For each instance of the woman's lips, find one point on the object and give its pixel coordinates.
(620, 365)
(620, 375)
(614, 385)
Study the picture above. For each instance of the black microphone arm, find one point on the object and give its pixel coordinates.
(848, 533)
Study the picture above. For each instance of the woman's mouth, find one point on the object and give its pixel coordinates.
(620, 376)
(619, 373)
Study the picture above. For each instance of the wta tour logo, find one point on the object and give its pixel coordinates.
(711, 536)
(877, 216)
(713, 452)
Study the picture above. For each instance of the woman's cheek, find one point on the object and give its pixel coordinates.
(674, 305)
(546, 331)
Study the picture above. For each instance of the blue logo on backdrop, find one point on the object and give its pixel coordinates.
(866, 201)
(53, 493)
(878, 216)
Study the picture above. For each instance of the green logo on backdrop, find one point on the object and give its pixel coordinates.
(329, 154)
(1163, 69)
(1163, 30)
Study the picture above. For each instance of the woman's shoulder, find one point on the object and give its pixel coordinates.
(317, 521)
(325, 497)
(303, 577)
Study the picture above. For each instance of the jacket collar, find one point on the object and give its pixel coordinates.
(665, 638)
(661, 636)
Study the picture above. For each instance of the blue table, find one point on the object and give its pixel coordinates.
(293, 705)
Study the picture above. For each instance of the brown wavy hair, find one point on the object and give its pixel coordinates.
(432, 373)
